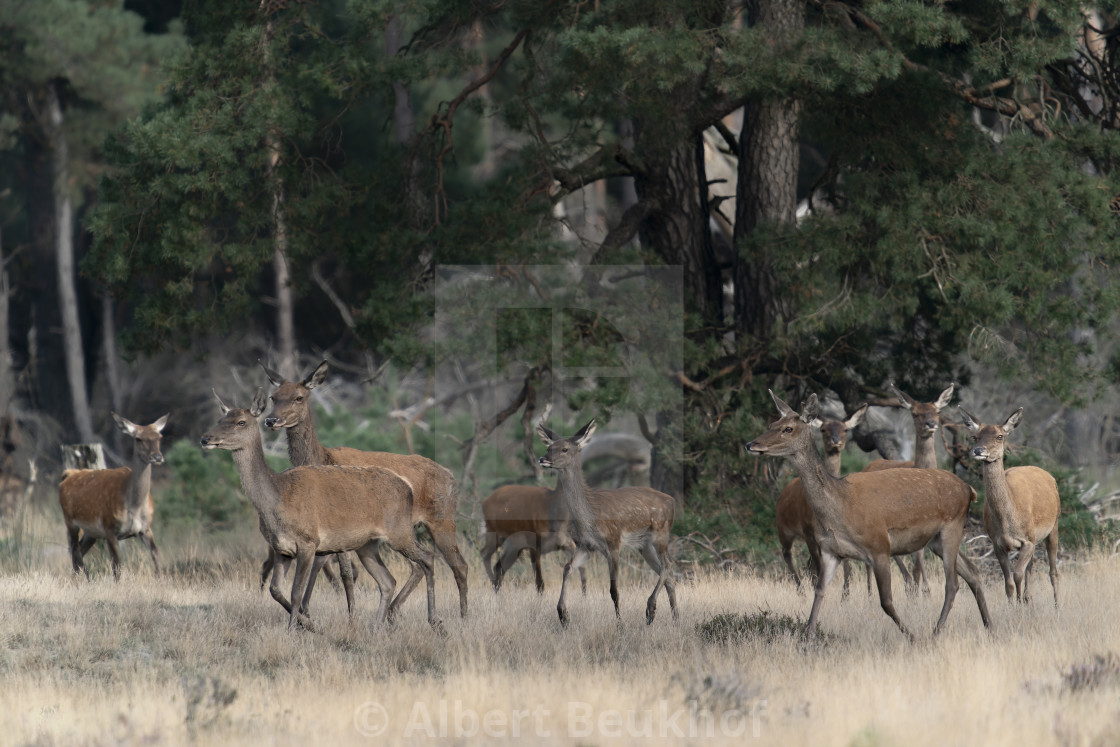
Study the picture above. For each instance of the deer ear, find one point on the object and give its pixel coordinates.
(946, 397)
(811, 410)
(273, 377)
(783, 409)
(126, 425)
(260, 402)
(584, 434)
(857, 417)
(970, 422)
(1013, 420)
(546, 435)
(817, 423)
(221, 402)
(160, 424)
(316, 377)
(902, 397)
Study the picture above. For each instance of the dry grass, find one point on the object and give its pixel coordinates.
(200, 656)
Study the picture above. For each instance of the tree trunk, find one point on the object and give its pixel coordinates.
(677, 227)
(767, 181)
(404, 128)
(64, 251)
(7, 381)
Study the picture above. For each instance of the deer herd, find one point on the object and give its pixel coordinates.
(336, 501)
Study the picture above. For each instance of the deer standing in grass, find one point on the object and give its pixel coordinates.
(517, 517)
(927, 420)
(792, 513)
(1021, 506)
(435, 496)
(871, 516)
(319, 510)
(113, 504)
(601, 520)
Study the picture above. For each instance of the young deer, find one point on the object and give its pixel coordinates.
(601, 520)
(517, 518)
(792, 513)
(435, 496)
(1021, 506)
(927, 420)
(113, 504)
(871, 516)
(305, 511)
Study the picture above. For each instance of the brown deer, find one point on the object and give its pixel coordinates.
(927, 420)
(1021, 506)
(113, 504)
(792, 513)
(305, 511)
(601, 520)
(435, 496)
(517, 518)
(871, 516)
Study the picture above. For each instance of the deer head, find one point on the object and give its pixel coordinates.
(791, 432)
(834, 433)
(238, 427)
(147, 438)
(563, 452)
(927, 415)
(291, 402)
(989, 440)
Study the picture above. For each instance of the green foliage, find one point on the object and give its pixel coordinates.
(763, 626)
(204, 489)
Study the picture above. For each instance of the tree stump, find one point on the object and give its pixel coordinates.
(82, 456)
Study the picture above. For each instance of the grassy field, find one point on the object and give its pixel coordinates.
(200, 656)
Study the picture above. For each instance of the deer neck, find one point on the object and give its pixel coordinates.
(997, 494)
(303, 445)
(832, 463)
(819, 484)
(925, 452)
(139, 486)
(571, 491)
(257, 478)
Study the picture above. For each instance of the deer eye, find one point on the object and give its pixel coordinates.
(241, 424)
(299, 398)
(564, 450)
(999, 438)
(788, 429)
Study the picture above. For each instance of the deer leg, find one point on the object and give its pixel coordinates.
(114, 555)
(846, 568)
(1026, 554)
(966, 569)
(422, 560)
(488, 551)
(612, 570)
(511, 551)
(75, 551)
(267, 566)
(787, 556)
(446, 542)
(870, 573)
(317, 565)
(346, 574)
(150, 541)
(579, 557)
(329, 573)
(1004, 559)
(907, 579)
(920, 578)
(386, 584)
(535, 559)
(305, 562)
(1052, 558)
(828, 565)
(881, 564)
(948, 547)
(658, 561)
(279, 571)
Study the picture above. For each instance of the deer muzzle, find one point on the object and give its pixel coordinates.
(209, 442)
(545, 462)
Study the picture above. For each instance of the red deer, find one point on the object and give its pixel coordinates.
(1021, 506)
(602, 520)
(516, 517)
(871, 516)
(435, 496)
(305, 511)
(927, 420)
(113, 504)
(792, 513)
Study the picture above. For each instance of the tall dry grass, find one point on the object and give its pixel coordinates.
(200, 656)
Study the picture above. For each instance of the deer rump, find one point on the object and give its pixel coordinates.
(887, 505)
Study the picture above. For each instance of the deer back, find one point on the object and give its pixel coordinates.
(518, 508)
(345, 501)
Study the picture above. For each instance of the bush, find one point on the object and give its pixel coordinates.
(204, 489)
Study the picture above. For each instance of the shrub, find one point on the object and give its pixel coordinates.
(204, 489)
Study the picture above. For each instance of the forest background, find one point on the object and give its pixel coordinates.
(846, 193)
